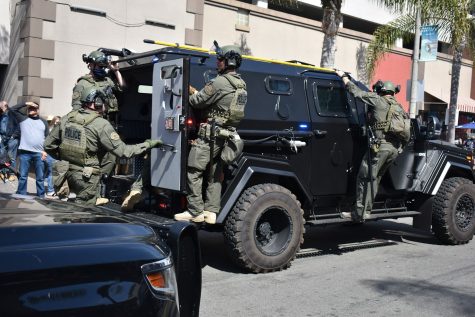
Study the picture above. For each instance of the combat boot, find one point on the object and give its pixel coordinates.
(346, 215)
(353, 216)
(187, 216)
(210, 217)
(131, 200)
(101, 201)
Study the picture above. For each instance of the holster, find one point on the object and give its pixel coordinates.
(204, 132)
(233, 147)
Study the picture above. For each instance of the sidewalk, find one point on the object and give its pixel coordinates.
(11, 187)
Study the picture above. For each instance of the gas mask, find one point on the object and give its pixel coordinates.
(99, 72)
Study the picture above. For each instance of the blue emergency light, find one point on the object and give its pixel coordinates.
(303, 126)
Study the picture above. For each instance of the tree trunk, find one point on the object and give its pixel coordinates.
(330, 25)
(454, 87)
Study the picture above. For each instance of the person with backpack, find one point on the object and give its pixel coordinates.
(391, 127)
(79, 143)
(222, 102)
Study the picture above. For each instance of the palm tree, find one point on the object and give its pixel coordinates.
(332, 18)
(331, 21)
(454, 24)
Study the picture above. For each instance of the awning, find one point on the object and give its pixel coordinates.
(464, 104)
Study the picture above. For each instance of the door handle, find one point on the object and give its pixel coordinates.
(319, 132)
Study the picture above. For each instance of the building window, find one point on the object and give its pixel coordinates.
(242, 20)
(242, 17)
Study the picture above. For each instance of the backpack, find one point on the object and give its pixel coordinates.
(398, 123)
(238, 103)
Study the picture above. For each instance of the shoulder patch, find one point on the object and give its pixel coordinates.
(115, 136)
(76, 95)
(209, 89)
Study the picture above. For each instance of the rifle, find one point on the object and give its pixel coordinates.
(103, 186)
(122, 53)
(212, 137)
(372, 142)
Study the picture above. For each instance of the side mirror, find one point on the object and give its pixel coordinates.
(434, 128)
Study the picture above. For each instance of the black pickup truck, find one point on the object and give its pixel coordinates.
(60, 259)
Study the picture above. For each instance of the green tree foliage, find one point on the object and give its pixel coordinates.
(455, 26)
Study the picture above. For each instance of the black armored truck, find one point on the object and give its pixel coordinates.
(305, 137)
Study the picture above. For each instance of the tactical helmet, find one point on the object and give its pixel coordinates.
(96, 57)
(91, 94)
(231, 55)
(388, 86)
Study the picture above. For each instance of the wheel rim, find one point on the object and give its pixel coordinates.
(273, 231)
(464, 212)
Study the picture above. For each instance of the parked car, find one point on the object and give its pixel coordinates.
(61, 259)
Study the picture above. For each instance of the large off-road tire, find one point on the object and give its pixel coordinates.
(453, 213)
(265, 228)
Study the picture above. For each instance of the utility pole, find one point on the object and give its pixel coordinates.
(415, 64)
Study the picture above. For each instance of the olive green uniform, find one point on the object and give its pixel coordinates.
(381, 159)
(108, 87)
(83, 138)
(215, 100)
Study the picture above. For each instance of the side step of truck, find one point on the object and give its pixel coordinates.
(375, 215)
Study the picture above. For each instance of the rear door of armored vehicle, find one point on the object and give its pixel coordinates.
(169, 112)
(337, 144)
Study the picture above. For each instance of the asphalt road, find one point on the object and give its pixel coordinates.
(383, 268)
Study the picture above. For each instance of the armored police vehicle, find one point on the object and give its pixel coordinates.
(305, 137)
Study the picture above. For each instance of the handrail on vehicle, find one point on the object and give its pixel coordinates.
(253, 58)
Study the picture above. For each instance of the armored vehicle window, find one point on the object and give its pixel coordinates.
(330, 100)
(278, 85)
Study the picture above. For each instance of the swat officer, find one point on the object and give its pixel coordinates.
(384, 150)
(98, 64)
(82, 139)
(222, 102)
(98, 77)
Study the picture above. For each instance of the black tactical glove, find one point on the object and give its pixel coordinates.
(153, 143)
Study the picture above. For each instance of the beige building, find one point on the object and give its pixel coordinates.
(46, 40)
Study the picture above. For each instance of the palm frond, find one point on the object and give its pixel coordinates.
(332, 4)
(384, 38)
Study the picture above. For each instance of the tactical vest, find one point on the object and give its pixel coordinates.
(73, 147)
(238, 103)
(397, 123)
(234, 112)
(106, 87)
